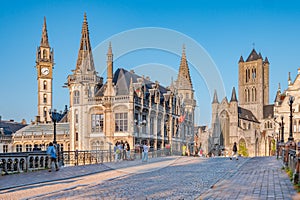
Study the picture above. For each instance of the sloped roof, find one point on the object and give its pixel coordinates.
(268, 111)
(246, 115)
(10, 127)
(253, 56)
(122, 79)
(45, 128)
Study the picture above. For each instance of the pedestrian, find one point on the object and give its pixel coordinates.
(234, 152)
(52, 152)
(120, 147)
(127, 150)
(116, 151)
(145, 152)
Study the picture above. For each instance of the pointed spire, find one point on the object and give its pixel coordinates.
(253, 56)
(44, 40)
(85, 58)
(241, 59)
(266, 60)
(289, 79)
(215, 99)
(279, 88)
(184, 78)
(278, 95)
(109, 62)
(233, 95)
(259, 55)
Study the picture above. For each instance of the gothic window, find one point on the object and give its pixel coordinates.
(5, 148)
(28, 147)
(45, 111)
(18, 148)
(76, 116)
(121, 122)
(245, 93)
(45, 85)
(97, 122)
(249, 75)
(45, 54)
(253, 73)
(45, 98)
(76, 97)
(246, 76)
(253, 94)
(159, 127)
(96, 145)
(151, 125)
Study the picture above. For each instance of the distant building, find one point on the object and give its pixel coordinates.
(247, 120)
(7, 129)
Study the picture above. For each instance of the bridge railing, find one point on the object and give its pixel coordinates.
(291, 159)
(19, 162)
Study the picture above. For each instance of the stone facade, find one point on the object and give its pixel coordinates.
(127, 106)
(243, 121)
(282, 109)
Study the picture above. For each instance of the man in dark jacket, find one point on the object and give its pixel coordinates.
(234, 152)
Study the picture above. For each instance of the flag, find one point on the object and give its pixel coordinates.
(181, 119)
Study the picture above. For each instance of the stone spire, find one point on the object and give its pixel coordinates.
(289, 79)
(241, 59)
(44, 40)
(215, 99)
(85, 60)
(233, 95)
(184, 78)
(109, 62)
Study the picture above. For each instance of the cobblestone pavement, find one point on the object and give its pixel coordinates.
(160, 178)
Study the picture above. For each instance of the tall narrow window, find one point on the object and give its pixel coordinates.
(121, 122)
(159, 127)
(295, 125)
(151, 125)
(45, 85)
(45, 111)
(28, 147)
(45, 54)
(45, 98)
(76, 116)
(76, 136)
(76, 97)
(246, 75)
(97, 122)
(5, 148)
(245, 95)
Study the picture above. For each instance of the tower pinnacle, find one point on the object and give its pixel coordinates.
(44, 40)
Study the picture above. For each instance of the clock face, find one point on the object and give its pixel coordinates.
(45, 71)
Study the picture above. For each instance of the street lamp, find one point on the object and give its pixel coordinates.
(55, 117)
(282, 129)
(291, 101)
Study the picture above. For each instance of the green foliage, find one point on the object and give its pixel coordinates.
(243, 149)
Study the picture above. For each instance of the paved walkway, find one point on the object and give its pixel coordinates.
(160, 178)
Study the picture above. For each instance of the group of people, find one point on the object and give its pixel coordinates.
(122, 151)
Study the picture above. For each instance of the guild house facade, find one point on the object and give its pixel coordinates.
(126, 106)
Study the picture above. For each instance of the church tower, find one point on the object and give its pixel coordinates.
(254, 83)
(82, 85)
(44, 66)
(186, 93)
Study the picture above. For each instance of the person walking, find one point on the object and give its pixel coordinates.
(116, 151)
(128, 151)
(234, 152)
(145, 152)
(52, 152)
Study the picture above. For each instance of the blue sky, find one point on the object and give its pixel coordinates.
(225, 29)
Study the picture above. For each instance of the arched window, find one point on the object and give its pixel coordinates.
(28, 147)
(245, 93)
(248, 95)
(45, 85)
(246, 75)
(18, 148)
(45, 54)
(253, 73)
(45, 98)
(76, 97)
(45, 111)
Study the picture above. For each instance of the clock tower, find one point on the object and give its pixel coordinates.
(44, 67)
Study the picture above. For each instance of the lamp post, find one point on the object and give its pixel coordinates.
(282, 129)
(55, 117)
(291, 101)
